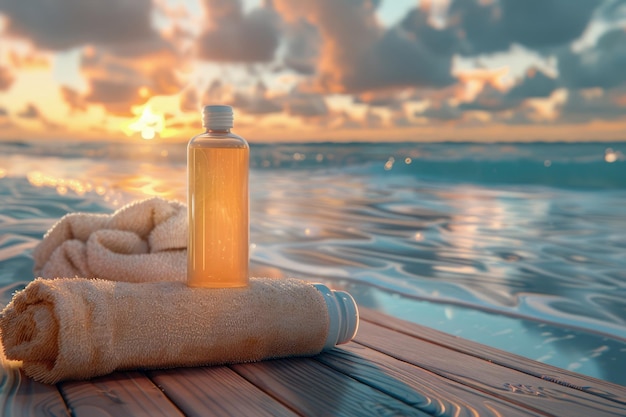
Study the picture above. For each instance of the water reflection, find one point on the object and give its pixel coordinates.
(436, 238)
(521, 256)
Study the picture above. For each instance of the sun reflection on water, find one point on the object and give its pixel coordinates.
(63, 185)
(116, 184)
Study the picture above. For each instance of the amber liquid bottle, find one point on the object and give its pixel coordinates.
(217, 175)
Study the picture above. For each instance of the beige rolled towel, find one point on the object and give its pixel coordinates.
(80, 328)
(144, 241)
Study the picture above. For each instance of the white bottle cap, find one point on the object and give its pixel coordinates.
(217, 117)
(343, 315)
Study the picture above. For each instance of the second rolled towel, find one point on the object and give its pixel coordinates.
(80, 328)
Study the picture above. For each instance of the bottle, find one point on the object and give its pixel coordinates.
(343, 316)
(217, 175)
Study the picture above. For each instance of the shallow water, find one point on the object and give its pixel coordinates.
(517, 246)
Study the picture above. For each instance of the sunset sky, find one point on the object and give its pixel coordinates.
(296, 70)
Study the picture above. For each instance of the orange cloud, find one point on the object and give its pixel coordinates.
(28, 60)
(496, 77)
(119, 78)
(6, 78)
(303, 64)
(75, 100)
(117, 97)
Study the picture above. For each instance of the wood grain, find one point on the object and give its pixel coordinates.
(312, 389)
(417, 387)
(392, 368)
(21, 396)
(216, 391)
(118, 394)
(501, 382)
(585, 383)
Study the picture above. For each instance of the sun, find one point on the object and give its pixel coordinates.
(149, 124)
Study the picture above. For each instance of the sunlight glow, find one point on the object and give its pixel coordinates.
(62, 185)
(149, 124)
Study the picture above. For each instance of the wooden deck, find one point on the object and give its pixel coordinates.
(393, 368)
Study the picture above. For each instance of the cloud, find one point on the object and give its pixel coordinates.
(144, 63)
(343, 120)
(490, 99)
(163, 80)
(522, 115)
(443, 112)
(6, 78)
(613, 10)
(120, 77)
(400, 120)
(390, 99)
(30, 112)
(602, 65)
(258, 102)
(492, 26)
(28, 59)
(116, 96)
(189, 100)
(357, 54)
(372, 119)
(123, 60)
(216, 92)
(148, 47)
(302, 47)
(535, 84)
(584, 106)
(444, 40)
(63, 24)
(306, 104)
(232, 36)
(396, 60)
(317, 48)
(3, 112)
(73, 99)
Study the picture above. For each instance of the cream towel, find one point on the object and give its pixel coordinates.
(144, 241)
(80, 328)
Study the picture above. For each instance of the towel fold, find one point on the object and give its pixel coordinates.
(80, 328)
(145, 241)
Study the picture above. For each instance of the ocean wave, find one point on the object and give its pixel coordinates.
(453, 236)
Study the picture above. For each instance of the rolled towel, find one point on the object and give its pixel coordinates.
(80, 328)
(145, 241)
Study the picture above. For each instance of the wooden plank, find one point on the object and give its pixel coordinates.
(501, 382)
(547, 372)
(416, 386)
(22, 396)
(313, 389)
(117, 394)
(394, 367)
(216, 391)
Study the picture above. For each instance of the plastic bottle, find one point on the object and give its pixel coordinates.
(343, 316)
(217, 175)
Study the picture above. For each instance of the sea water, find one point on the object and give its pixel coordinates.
(518, 246)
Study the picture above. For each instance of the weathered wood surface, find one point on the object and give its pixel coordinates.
(21, 396)
(392, 368)
(217, 391)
